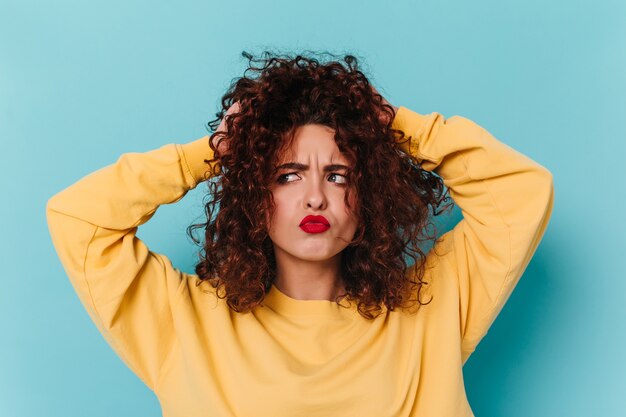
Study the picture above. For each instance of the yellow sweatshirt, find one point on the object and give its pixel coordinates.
(294, 357)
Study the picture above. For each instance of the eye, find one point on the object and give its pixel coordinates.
(343, 176)
(282, 179)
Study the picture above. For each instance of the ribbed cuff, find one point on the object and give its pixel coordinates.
(193, 155)
(411, 124)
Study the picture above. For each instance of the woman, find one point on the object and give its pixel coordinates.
(301, 303)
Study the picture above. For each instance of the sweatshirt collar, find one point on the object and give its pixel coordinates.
(285, 305)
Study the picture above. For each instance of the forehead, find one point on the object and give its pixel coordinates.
(312, 140)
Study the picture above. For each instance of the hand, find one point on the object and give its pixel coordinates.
(384, 117)
(223, 147)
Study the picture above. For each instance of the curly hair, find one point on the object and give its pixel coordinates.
(283, 93)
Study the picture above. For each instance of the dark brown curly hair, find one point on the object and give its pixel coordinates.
(283, 93)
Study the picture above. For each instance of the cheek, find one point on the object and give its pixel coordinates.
(352, 199)
(349, 216)
(275, 220)
(353, 223)
(352, 212)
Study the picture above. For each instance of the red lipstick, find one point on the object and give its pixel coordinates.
(314, 224)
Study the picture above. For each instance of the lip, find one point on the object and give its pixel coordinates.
(314, 224)
(314, 227)
(315, 219)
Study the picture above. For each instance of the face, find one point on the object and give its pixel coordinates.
(311, 190)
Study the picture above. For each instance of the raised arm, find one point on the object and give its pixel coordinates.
(506, 200)
(126, 289)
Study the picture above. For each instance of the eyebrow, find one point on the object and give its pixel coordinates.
(303, 167)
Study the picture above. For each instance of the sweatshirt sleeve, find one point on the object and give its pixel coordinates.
(506, 200)
(127, 290)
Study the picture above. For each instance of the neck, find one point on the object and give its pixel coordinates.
(309, 280)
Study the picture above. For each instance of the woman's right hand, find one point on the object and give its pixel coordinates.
(223, 147)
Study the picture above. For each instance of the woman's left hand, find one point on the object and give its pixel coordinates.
(384, 116)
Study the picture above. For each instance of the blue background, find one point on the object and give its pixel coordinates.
(83, 82)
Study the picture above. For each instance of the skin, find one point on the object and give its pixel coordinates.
(308, 264)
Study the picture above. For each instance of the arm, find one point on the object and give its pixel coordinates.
(127, 290)
(506, 200)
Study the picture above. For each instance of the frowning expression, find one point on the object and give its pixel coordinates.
(312, 181)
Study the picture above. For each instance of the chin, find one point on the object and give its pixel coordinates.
(315, 254)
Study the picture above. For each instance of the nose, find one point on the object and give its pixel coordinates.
(314, 194)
